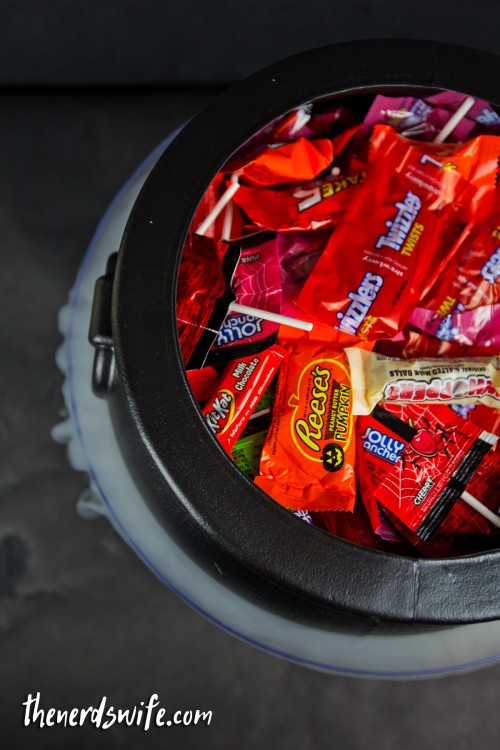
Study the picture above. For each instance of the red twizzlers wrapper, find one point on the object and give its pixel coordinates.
(241, 387)
(393, 237)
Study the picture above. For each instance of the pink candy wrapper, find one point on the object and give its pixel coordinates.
(478, 327)
(256, 283)
(423, 119)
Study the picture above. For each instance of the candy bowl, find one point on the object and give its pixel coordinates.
(204, 528)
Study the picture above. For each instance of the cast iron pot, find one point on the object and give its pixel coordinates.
(204, 502)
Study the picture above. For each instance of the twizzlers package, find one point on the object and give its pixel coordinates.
(307, 461)
(393, 238)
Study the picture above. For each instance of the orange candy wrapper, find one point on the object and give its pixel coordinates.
(308, 457)
(289, 162)
(476, 160)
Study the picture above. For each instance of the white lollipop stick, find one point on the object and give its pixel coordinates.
(454, 120)
(482, 509)
(227, 226)
(219, 206)
(304, 325)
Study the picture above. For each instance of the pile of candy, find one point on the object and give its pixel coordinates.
(339, 318)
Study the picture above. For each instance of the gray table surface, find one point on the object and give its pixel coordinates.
(85, 618)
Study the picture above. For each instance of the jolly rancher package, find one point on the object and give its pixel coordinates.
(307, 462)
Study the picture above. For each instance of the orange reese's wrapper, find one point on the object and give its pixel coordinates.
(307, 462)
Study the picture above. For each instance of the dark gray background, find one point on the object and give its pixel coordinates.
(87, 619)
(148, 42)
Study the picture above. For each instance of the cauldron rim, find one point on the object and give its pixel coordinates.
(184, 474)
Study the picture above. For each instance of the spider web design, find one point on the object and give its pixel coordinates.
(257, 281)
(420, 490)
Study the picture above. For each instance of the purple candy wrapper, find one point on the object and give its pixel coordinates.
(478, 327)
(298, 253)
(423, 119)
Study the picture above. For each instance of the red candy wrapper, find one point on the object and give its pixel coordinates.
(476, 161)
(309, 205)
(203, 382)
(472, 275)
(201, 283)
(290, 162)
(462, 520)
(242, 385)
(396, 230)
(434, 454)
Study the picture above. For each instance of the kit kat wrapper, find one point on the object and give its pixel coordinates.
(242, 386)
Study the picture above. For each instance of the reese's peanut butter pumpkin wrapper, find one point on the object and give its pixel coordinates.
(307, 461)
